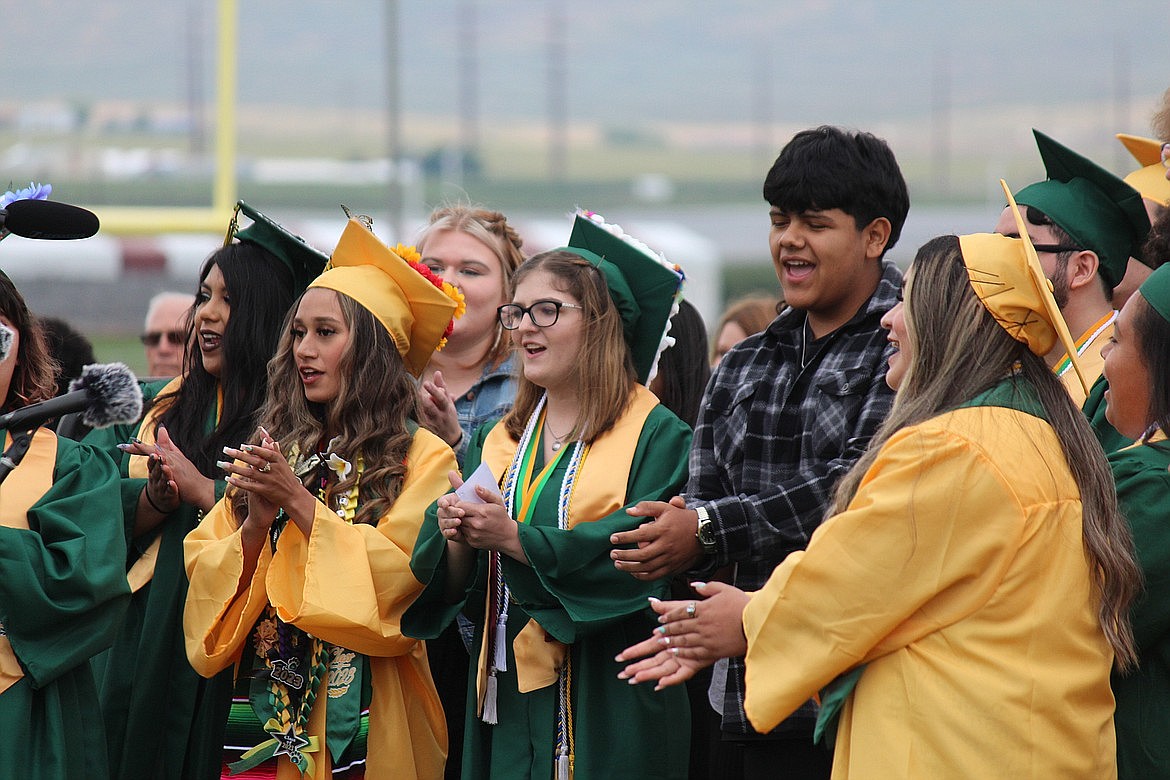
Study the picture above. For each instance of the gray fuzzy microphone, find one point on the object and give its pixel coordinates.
(6, 336)
(106, 394)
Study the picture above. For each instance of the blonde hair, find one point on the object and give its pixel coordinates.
(491, 229)
(968, 352)
(605, 370)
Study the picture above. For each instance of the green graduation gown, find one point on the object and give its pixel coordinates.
(63, 593)
(577, 596)
(163, 720)
(1142, 718)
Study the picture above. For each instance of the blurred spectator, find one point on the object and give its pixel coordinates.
(69, 348)
(683, 369)
(742, 318)
(165, 333)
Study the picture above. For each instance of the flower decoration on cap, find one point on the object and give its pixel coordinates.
(414, 260)
(31, 192)
(409, 301)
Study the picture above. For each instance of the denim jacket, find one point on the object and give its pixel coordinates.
(488, 399)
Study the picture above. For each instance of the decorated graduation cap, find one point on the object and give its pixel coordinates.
(414, 305)
(1156, 290)
(1008, 279)
(302, 260)
(643, 285)
(1099, 210)
(1150, 179)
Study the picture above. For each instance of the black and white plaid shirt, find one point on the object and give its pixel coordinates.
(773, 438)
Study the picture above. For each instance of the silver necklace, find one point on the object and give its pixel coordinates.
(557, 440)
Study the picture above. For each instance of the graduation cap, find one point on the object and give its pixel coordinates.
(1150, 179)
(1156, 290)
(1008, 279)
(1099, 210)
(410, 302)
(643, 285)
(302, 260)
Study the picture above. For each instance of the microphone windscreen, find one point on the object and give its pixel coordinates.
(48, 219)
(6, 335)
(115, 397)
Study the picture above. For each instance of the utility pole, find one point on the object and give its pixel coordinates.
(394, 125)
(558, 129)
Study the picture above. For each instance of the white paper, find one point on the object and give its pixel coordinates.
(481, 476)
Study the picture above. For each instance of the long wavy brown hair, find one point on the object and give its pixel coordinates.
(375, 399)
(965, 353)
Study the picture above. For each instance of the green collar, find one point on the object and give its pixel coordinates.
(1010, 393)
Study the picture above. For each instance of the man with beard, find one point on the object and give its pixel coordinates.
(1085, 224)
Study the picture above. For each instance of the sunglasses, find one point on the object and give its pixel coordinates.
(152, 339)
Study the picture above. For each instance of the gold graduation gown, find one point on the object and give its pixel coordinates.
(958, 575)
(346, 584)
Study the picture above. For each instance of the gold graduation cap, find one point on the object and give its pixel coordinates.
(1008, 279)
(414, 305)
(1150, 179)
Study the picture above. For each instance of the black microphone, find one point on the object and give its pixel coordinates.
(107, 393)
(48, 219)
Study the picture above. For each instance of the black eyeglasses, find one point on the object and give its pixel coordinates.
(152, 339)
(1055, 248)
(542, 313)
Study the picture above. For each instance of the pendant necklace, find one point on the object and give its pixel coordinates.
(557, 440)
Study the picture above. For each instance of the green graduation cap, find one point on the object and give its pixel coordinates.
(305, 262)
(642, 284)
(1156, 290)
(1099, 210)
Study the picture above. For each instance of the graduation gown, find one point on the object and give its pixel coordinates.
(576, 596)
(1143, 695)
(347, 585)
(163, 720)
(958, 576)
(62, 596)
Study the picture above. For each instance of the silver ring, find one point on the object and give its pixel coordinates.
(691, 610)
(267, 467)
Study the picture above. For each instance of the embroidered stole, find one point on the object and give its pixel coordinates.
(599, 490)
(17, 495)
(142, 570)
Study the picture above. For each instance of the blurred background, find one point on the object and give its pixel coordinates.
(662, 116)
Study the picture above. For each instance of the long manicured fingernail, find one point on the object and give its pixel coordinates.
(125, 447)
(697, 585)
(223, 464)
(660, 630)
(654, 600)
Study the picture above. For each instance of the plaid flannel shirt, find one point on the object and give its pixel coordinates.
(773, 438)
